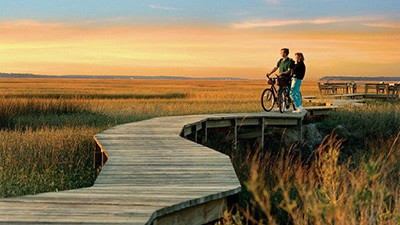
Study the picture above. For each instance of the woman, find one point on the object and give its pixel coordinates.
(298, 72)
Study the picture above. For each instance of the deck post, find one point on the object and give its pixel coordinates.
(262, 133)
(194, 129)
(300, 128)
(235, 131)
(204, 130)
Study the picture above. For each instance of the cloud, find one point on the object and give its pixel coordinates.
(242, 13)
(383, 25)
(279, 23)
(167, 8)
(29, 23)
(36, 24)
(104, 20)
(272, 1)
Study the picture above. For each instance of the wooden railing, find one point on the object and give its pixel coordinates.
(335, 88)
(371, 90)
(100, 157)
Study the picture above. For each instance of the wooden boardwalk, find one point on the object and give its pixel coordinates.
(368, 96)
(152, 176)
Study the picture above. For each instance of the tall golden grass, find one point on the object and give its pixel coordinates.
(46, 144)
(46, 125)
(34, 161)
(327, 191)
(352, 177)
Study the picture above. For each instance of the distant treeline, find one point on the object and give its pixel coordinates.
(29, 75)
(96, 96)
(350, 78)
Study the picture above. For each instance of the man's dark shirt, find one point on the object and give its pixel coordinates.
(299, 70)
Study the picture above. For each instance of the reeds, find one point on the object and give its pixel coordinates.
(34, 161)
(325, 189)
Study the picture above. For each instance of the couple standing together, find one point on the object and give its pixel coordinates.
(294, 70)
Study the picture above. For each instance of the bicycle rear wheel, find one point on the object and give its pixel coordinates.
(267, 99)
(282, 99)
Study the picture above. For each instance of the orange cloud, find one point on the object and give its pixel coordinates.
(279, 23)
(384, 25)
(93, 47)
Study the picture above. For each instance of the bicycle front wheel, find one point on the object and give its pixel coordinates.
(267, 100)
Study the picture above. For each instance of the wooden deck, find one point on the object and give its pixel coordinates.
(152, 176)
(382, 91)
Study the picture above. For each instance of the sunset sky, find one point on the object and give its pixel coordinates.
(208, 38)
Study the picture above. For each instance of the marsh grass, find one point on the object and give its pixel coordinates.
(47, 125)
(352, 177)
(35, 161)
(19, 114)
(363, 129)
(46, 144)
(326, 191)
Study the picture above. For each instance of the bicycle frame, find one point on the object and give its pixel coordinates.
(275, 91)
(281, 101)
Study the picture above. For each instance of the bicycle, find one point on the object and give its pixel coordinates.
(270, 96)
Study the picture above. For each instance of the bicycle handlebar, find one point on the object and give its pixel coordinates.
(276, 75)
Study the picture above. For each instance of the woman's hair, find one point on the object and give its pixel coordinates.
(300, 55)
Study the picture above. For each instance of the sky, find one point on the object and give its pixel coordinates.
(208, 38)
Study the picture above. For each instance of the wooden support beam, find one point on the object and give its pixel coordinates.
(198, 126)
(187, 130)
(280, 121)
(262, 122)
(204, 131)
(196, 215)
(300, 127)
(235, 131)
(248, 121)
(219, 123)
(194, 130)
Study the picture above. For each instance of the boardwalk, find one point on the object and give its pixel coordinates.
(151, 173)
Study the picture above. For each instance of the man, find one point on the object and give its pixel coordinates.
(285, 64)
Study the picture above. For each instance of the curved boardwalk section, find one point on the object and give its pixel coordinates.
(152, 176)
(151, 172)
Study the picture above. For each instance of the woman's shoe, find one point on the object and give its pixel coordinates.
(298, 110)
